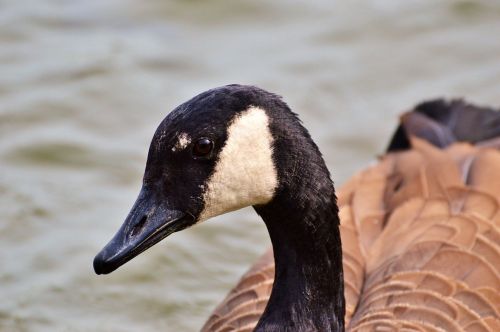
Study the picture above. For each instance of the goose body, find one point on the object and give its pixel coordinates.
(419, 230)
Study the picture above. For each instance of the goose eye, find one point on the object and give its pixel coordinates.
(203, 147)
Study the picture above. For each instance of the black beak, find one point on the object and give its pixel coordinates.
(148, 223)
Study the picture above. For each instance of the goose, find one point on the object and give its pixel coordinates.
(420, 247)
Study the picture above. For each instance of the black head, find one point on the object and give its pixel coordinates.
(211, 155)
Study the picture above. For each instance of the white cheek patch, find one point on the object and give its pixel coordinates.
(182, 141)
(245, 173)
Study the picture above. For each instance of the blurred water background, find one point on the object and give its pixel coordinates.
(83, 85)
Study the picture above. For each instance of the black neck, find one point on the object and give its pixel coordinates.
(303, 223)
(308, 292)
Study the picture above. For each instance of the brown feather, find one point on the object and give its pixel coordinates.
(421, 243)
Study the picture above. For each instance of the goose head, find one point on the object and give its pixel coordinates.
(213, 154)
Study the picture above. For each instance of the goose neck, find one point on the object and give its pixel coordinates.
(308, 292)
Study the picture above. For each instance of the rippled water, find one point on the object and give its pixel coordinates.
(83, 85)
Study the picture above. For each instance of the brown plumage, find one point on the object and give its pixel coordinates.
(420, 234)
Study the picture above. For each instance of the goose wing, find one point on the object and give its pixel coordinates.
(420, 232)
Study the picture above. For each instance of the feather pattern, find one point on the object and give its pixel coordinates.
(420, 236)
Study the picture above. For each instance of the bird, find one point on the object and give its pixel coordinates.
(411, 243)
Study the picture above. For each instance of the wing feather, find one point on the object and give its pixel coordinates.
(421, 245)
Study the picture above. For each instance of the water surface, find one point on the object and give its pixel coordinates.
(83, 85)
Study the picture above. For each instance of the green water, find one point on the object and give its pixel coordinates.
(83, 85)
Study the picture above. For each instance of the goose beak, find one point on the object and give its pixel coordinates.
(148, 223)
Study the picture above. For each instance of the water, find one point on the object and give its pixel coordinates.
(83, 85)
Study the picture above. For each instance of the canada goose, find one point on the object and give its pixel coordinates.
(420, 229)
